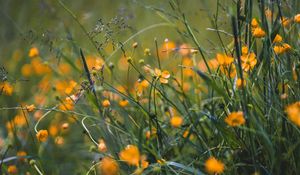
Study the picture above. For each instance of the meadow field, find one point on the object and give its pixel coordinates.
(149, 87)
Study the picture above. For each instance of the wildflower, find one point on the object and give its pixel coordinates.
(176, 121)
(151, 133)
(147, 52)
(64, 68)
(109, 166)
(297, 18)
(102, 146)
(12, 169)
(53, 130)
(162, 75)
(123, 103)
(19, 120)
(26, 70)
(6, 88)
(229, 71)
(224, 59)
(184, 49)
(240, 83)
(213, 166)
(21, 155)
(33, 52)
(130, 155)
(254, 23)
(248, 61)
(268, 13)
(30, 108)
(282, 48)
(245, 50)
(285, 21)
(42, 135)
(166, 48)
(293, 112)
(105, 103)
(277, 39)
(187, 62)
(235, 119)
(258, 32)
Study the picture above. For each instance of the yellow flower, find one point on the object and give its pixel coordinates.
(224, 59)
(277, 39)
(235, 119)
(42, 135)
(240, 83)
(258, 32)
(12, 169)
(105, 103)
(26, 70)
(282, 48)
(30, 108)
(162, 75)
(33, 52)
(21, 155)
(245, 50)
(293, 112)
(67, 104)
(248, 61)
(131, 155)
(212, 166)
(147, 52)
(176, 121)
(254, 23)
(297, 18)
(19, 120)
(123, 103)
(6, 88)
(108, 166)
(285, 21)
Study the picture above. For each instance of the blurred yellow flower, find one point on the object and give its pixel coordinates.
(212, 166)
(6, 88)
(123, 103)
(131, 155)
(240, 84)
(21, 155)
(12, 169)
(162, 75)
(19, 120)
(297, 18)
(102, 146)
(224, 59)
(106, 103)
(258, 32)
(254, 23)
(277, 39)
(42, 135)
(293, 112)
(30, 108)
(176, 121)
(33, 52)
(235, 119)
(248, 61)
(108, 166)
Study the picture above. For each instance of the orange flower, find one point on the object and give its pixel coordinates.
(176, 121)
(224, 59)
(254, 23)
(167, 47)
(282, 48)
(53, 130)
(42, 135)
(12, 169)
(297, 18)
(123, 103)
(108, 166)
(30, 108)
(162, 75)
(21, 155)
(245, 50)
(240, 83)
(26, 70)
(131, 155)
(229, 71)
(214, 166)
(248, 61)
(6, 88)
(277, 39)
(33, 52)
(258, 32)
(187, 62)
(285, 21)
(293, 112)
(105, 103)
(235, 119)
(19, 120)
